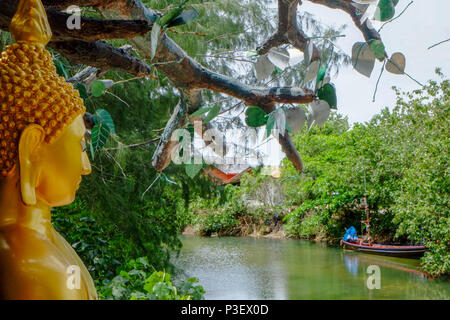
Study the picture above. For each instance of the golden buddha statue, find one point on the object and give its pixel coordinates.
(42, 159)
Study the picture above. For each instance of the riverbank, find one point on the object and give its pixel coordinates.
(276, 232)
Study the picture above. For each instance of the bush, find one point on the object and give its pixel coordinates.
(137, 280)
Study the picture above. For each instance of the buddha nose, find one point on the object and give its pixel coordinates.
(85, 164)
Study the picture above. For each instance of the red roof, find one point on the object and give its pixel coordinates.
(221, 177)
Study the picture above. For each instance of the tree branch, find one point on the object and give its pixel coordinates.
(183, 71)
(288, 31)
(91, 29)
(101, 55)
(369, 33)
(163, 153)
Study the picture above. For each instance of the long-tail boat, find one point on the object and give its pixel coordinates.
(351, 241)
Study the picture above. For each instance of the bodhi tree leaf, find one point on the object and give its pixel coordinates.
(280, 121)
(385, 10)
(154, 38)
(321, 74)
(108, 83)
(296, 118)
(279, 57)
(320, 111)
(99, 136)
(396, 64)
(201, 111)
(193, 169)
(255, 116)
(263, 68)
(363, 59)
(377, 48)
(61, 70)
(82, 90)
(97, 88)
(214, 112)
(328, 93)
(184, 18)
(269, 125)
(102, 116)
(308, 52)
(295, 56)
(312, 71)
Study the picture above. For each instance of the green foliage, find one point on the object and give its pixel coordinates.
(137, 280)
(399, 160)
(328, 94)
(100, 247)
(255, 116)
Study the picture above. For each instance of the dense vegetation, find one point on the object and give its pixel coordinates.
(399, 160)
(126, 236)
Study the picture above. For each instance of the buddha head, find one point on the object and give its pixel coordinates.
(41, 115)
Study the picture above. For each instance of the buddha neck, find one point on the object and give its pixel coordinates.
(14, 212)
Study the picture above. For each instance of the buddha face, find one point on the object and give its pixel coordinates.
(54, 169)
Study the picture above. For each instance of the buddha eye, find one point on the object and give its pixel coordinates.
(83, 146)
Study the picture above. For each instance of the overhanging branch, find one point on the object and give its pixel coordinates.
(348, 7)
(102, 55)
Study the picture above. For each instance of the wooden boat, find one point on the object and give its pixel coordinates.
(351, 241)
(386, 250)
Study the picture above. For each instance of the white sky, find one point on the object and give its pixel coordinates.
(424, 23)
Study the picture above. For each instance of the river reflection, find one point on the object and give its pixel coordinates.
(255, 268)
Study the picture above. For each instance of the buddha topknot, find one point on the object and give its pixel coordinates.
(31, 92)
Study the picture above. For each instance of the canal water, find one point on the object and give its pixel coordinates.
(259, 268)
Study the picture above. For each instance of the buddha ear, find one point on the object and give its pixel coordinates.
(30, 140)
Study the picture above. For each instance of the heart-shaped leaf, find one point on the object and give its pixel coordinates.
(396, 64)
(279, 57)
(154, 38)
(193, 169)
(82, 90)
(377, 48)
(296, 118)
(97, 88)
(103, 117)
(363, 59)
(184, 18)
(295, 56)
(308, 52)
(269, 125)
(263, 68)
(320, 111)
(108, 83)
(328, 93)
(385, 10)
(280, 121)
(99, 136)
(214, 112)
(321, 74)
(201, 111)
(312, 71)
(255, 116)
